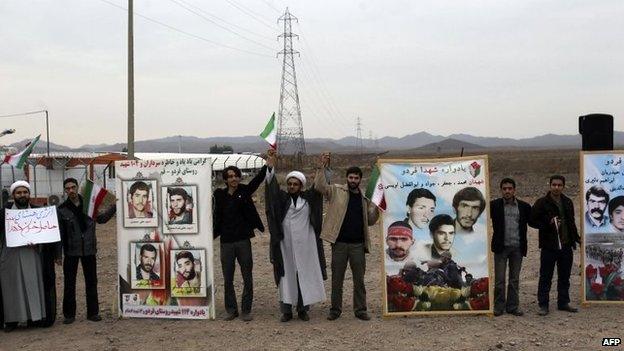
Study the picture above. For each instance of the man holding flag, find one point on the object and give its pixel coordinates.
(77, 218)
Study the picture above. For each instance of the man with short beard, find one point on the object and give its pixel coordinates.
(79, 247)
(295, 219)
(186, 276)
(27, 278)
(145, 269)
(178, 213)
(346, 228)
(596, 200)
(402, 248)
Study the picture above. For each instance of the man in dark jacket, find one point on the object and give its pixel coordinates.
(235, 218)
(553, 215)
(79, 245)
(510, 217)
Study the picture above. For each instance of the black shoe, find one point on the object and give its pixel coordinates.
(333, 316)
(568, 308)
(95, 318)
(230, 316)
(517, 312)
(498, 313)
(69, 320)
(246, 317)
(286, 317)
(9, 327)
(303, 315)
(543, 311)
(363, 316)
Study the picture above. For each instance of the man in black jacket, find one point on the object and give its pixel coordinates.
(79, 245)
(510, 217)
(553, 215)
(235, 218)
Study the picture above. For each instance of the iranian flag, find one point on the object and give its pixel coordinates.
(18, 160)
(92, 195)
(374, 189)
(270, 132)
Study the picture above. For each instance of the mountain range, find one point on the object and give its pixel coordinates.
(421, 140)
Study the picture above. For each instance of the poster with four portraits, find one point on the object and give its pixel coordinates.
(602, 223)
(435, 236)
(164, 239)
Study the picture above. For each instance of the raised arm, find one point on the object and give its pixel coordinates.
(257, 180)
(321, 180)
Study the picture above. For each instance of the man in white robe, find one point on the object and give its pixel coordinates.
(297, 255)
(22, 274)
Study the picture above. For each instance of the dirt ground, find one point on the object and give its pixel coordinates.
(559, 330)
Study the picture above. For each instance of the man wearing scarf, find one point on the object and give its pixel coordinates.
(79, 245)
(296, 251)
(27, 277)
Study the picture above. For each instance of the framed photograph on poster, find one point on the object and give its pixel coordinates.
(179, 210)
(602, 208)
(188, 273)
(148, 265)
(435, 236)
(140, 203)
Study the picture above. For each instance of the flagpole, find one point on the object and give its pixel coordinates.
(47, 132)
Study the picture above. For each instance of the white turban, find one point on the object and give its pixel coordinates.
(297, 175)
(18, 184)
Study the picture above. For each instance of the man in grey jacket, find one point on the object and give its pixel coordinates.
(79, 244)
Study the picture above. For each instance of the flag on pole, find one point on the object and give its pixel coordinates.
(92, 196)
(270, 132)
(18, 160)
(374, 189)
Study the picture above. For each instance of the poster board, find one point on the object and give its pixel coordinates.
(31, 226)
(436, 259)
(602, 226)
(164, 241)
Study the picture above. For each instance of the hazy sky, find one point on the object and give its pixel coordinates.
(488, 68)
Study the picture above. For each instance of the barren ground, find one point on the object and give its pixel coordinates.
(559, 330)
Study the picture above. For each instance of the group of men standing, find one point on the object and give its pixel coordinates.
(27, 273)
(553, 216)
(297, 227)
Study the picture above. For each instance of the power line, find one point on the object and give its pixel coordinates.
(219, 25)
(250, 13)
(271, 6)
(187, 33)
(23, 114)
(317, 75)
(267, 38)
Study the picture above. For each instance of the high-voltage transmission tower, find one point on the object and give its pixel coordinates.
(289, 128)
(358, 136)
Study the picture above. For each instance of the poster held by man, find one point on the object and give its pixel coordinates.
(435, 236)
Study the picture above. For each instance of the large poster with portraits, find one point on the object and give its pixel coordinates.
(602, 191)
(435, 236)
(164, 242)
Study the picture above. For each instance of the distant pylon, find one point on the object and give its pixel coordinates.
(289, 128)
(358, 136)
